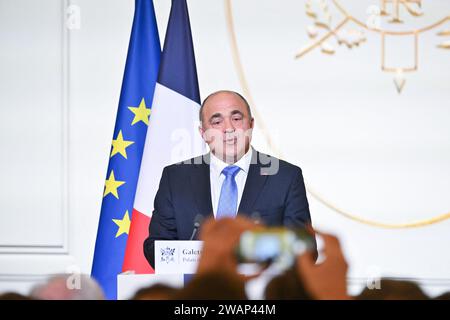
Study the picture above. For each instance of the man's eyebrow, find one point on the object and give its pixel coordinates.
(215, 115)
(236, 112)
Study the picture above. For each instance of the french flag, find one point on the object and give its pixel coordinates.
(172, 135)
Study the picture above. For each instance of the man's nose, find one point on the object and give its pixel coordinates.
(228, 125)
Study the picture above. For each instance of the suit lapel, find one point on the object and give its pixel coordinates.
(253, 185)
(201, 187)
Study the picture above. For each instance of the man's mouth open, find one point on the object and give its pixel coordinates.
(230, 141)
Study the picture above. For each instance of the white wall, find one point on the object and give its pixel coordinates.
(369, 151)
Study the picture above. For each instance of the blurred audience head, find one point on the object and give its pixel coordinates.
(213, 286)
(394, 290)
(155, 292)
(443, 296)
(68, 287)
(13, 296)
(286, 286)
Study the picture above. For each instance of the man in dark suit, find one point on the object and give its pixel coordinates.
(232, 179)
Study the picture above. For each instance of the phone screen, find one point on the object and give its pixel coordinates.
(273, 245)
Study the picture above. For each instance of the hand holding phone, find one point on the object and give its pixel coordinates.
(273, 245)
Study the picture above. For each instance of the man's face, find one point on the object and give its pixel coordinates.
(226, 126)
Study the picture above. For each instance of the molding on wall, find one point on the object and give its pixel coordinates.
(22, 277)
(33, 249)
(62, 248)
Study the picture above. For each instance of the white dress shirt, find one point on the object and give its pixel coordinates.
(217, 178)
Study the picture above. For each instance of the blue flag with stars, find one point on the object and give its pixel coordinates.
(141, 72)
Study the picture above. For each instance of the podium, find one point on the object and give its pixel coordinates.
(175, 263)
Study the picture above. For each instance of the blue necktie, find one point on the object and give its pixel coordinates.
(228, 194)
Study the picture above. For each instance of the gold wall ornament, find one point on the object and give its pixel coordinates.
(277, 152)
(396, 5)
(399, 78)
(446, 43)
(379, 224)
(403, 69)
(319, 12)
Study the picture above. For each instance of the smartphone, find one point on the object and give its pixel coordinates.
(273, 245)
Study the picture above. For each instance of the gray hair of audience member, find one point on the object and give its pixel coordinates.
(68, 287)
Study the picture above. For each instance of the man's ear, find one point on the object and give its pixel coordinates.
(202, 131)
(252, 122)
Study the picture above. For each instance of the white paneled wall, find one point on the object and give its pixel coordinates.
(366, 149)
(34, 226)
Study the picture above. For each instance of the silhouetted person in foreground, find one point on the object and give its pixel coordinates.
(394, 290)
(155, 292)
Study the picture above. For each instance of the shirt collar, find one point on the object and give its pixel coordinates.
(217, 165)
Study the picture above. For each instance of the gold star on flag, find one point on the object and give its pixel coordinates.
(111, 185)
(124, 224)
(119, 145)
(141, 113)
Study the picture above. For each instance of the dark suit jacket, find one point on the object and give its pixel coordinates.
(184, 192)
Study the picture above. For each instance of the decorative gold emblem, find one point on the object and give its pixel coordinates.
(390, 10)
(399, 82)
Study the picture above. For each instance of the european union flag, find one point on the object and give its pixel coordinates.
(141, 71)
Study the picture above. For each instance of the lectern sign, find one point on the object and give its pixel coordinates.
(177, 256)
